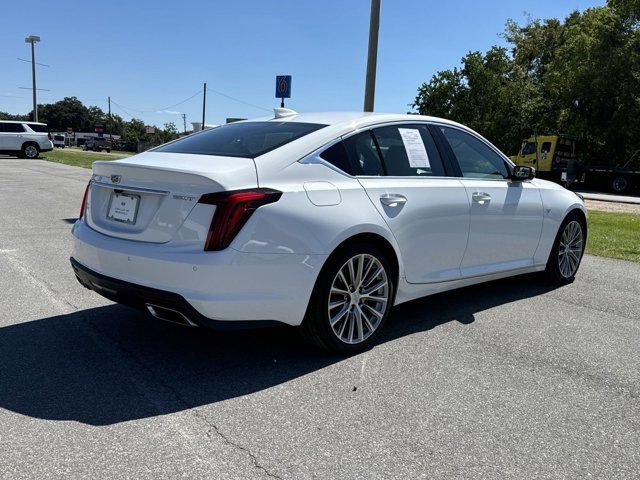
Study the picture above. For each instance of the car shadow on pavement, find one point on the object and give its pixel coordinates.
(112, 364)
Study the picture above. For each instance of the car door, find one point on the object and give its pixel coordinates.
(505, 215)
(404, 176)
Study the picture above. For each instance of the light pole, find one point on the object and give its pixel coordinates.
(33, 39)
(372, 58)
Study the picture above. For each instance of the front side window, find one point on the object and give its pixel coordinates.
(476, 158)
(528, 148)
(245, 139)
(408, 151)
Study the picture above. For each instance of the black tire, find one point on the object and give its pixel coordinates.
(553, 270)
(620, 184)
(316, 327)
(30, 151)
(108, 150)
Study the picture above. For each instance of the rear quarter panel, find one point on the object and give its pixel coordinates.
(295, 224)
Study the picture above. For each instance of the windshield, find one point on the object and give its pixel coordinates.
(249, 140)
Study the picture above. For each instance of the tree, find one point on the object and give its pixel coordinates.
(579, 76)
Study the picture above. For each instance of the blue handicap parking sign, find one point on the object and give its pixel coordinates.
(283, 86)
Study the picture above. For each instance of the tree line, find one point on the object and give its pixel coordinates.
(578, 76)
(72, 113)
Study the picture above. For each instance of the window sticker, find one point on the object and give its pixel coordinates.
(413, 144)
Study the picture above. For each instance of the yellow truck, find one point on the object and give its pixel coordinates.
(555, 158)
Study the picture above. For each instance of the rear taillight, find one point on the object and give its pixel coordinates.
(83, 206)
(233, 209)
(50, 136)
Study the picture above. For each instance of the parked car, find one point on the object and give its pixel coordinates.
(24, 139)
(97, 145)
(59, 140)
(322, 221)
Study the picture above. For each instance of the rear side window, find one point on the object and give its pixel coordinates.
(476, 158)
(337, 156)
(408, 151)
(248, 140)
(11, 127)
(38, 128)
(363, 152)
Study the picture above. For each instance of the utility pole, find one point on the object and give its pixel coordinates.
(372, 58)
(33, 39)
(110, 123)
(204, 103)
(184, 121)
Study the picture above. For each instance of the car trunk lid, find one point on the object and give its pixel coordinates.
(148, 197)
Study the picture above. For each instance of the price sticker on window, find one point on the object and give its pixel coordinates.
(414, 146)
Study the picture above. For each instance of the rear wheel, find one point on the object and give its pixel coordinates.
(620, 184)
(567, 250)
(351, 300)
(30, 151)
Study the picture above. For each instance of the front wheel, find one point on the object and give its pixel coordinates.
(568, 248)
(351, 300)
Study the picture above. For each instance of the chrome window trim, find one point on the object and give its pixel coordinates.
(315, 158)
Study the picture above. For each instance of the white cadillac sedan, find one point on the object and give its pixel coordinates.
(318, 220)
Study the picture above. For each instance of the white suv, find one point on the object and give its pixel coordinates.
(24, 139)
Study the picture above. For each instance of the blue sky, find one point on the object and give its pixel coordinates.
(150, 55)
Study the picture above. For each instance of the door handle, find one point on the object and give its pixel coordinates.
(481, 198)
(393, 199)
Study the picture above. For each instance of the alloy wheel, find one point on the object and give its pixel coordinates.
(570, 249)
(31, 152)
(358, 298)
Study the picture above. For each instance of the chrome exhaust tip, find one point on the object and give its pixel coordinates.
(170, 315)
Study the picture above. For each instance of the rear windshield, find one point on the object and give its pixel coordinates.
(38, 128)
(249, 140)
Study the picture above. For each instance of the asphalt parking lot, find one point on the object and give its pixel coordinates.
(509, 379)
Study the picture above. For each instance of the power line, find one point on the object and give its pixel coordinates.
(159, 109)
(238, 100)
(209, 89)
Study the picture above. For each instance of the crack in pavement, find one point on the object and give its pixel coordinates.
(214, 428)
(185, 405)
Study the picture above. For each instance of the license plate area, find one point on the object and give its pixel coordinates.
(123, 208)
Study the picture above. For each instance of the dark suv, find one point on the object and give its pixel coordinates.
(97, 144)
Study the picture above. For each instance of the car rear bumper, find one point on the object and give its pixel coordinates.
(162, 304)
(212, 288)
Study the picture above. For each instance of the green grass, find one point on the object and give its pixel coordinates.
(78, 158)
(615, 235)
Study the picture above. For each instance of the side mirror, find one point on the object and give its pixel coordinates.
(522, 173)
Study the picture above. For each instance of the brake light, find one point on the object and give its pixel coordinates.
(83, 205)
(233, 209)
(49, 135)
